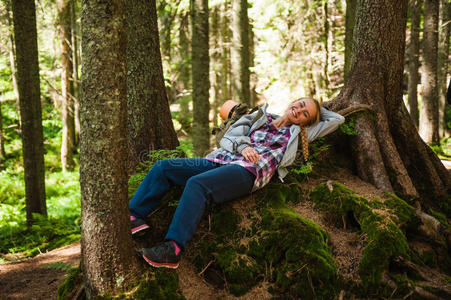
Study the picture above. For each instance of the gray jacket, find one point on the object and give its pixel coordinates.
(238, 135)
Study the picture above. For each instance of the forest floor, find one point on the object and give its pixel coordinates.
(40, 276)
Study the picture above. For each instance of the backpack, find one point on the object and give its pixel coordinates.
(235, 114)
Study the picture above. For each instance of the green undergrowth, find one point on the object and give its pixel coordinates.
(269, 243)
(155, 284)
(384, 221)
(62, 191)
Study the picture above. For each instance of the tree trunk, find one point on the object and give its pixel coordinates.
(443, 53)
(149, 119)
(183, 81)
(12, 58)
(67, 107)
(388, 150)
(240, 51)
(350, 23)
(429, 107)
(225, 46)
(24, 16)
(76, 79)
(215, 57)
(201, 81)
(107, 254)
(2, 139)
(253, 76)
(413, 53)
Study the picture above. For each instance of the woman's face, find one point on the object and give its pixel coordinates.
(301, 112)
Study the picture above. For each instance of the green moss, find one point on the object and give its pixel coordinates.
(385, 238)
(440, 217)
(159, 284)
(73, 279)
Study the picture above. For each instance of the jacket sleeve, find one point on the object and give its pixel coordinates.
(237, 137)
(330, 122)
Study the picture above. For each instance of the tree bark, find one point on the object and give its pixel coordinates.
(443, 53)
(201, 81)
(429, 107)
(215, 57)
(389, 152)
(12, 58)
(107, 255)
(413, 53)
(240, 51)
(349, 24)
(25, 33)
(149, 119)
(225, 45)
(67, 107)
(75, 59)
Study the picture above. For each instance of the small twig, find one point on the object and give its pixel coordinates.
(206, 267)
(407, 296)
(342, 295)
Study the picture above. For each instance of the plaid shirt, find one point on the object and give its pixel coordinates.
(269, 142)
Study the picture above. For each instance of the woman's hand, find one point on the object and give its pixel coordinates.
(250, 154)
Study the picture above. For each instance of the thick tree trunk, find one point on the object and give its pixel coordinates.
(24, 16)
(240, 51)
(215, 57)
(201, 81)
(389, 152)
(67, 107)
(149, 119)
(443, 53)
(350, 23)
(413, 53)
(107, 255)
(429, 103)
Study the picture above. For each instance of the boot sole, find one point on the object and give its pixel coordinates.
(161, 265)
(140, 228)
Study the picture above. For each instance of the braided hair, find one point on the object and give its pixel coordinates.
(303, 132)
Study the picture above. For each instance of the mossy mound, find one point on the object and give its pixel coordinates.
(381, 221)
(276, 246)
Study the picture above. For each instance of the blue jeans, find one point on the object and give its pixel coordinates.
(205, 182)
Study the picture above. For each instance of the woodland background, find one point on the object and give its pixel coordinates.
(180, 61)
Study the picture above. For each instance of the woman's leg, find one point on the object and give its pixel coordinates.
(217, 185)
(164, 174)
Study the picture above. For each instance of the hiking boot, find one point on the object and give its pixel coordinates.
(165, 255)
(138, 224)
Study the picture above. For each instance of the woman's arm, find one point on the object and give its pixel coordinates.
(330, 121)
(237, 136)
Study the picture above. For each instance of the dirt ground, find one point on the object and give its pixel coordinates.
(36, 278)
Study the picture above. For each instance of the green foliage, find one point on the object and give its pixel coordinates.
(60, 265)
(316, 148)
(442, 149)
(144, 167)
(74, 279)
(348, 127)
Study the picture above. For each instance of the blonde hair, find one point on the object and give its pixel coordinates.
(312, 121)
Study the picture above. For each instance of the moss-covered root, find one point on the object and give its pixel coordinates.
(296, 254)
(381, 222)
(155, 284)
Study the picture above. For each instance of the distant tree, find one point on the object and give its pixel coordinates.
(240, 51)
(350, 23)
(387, 141)
(200, 78)
(67, 109)
(75, 33)
(149, 119)
(225, 55)
(413, 57)
(24, 16)
(442, 72)
(107, 254)
(2, 139)
(12, 55)
(429, 102)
